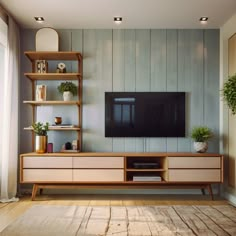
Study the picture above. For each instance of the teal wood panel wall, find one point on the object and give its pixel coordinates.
(140, 60)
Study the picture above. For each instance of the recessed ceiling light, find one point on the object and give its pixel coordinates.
(203, 19)
(39, 19)
(118, 20)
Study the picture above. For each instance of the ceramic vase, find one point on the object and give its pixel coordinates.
(200, 146)
(67, 96)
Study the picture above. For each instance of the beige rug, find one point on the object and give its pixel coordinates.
(49, 220)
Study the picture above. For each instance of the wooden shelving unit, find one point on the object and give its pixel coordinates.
(75, 76)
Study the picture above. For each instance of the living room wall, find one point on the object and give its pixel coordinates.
(136, 60)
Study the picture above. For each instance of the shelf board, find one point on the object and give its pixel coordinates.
(145, 170)
(53, 76)
(57, 129)
(45, 103)
(47, 55)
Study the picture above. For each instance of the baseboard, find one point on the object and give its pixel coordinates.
(231, 198)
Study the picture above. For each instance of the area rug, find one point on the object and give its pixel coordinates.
(50, 220)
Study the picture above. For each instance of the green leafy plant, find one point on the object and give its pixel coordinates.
(40, 128)
(229, 93)
(67, 86)
(201, 134)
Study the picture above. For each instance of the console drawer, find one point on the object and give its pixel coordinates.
(195, 175)
(47, 175)
(194, 162)
(98, 162)
(47, 162)
(98, 175)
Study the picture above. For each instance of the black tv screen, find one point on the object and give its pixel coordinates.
(144, 114)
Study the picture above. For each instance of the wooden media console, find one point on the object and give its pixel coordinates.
(121, 170)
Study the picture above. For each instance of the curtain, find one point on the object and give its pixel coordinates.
(9, 117)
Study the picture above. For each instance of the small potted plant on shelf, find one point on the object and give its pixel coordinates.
(41, 137)
(68, 89)
(200, 135)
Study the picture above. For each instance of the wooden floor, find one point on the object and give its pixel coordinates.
(10, 211)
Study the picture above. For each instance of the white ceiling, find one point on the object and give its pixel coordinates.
(137, 14)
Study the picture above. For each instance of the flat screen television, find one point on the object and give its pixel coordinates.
(144, 114)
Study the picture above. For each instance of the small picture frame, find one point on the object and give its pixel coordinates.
(41, 92)
(41, 66)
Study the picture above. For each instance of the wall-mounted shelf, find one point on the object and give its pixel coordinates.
(68, 56)
(46, 103)
(57, 129)
(53, 76)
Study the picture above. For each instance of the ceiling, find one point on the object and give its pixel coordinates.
(137, 14)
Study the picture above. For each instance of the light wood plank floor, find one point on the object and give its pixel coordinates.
(10, 211)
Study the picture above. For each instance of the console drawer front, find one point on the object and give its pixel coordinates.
(47, 175)
(98, 162)
(194, 162)
(47, 162)
(98, 175)
(195, 175)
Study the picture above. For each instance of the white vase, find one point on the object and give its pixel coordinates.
(67, 96)
(200, 146)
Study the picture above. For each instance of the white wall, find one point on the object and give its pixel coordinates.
(226, 122)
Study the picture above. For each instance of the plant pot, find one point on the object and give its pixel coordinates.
(41, 144)
(67, 96)
(200, 146)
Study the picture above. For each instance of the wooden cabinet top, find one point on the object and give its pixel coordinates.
(127, 154)
(46, 55)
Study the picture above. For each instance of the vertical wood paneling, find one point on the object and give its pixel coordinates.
(142, 71)
(134, 60)
(211, 86)
(158, 79)
(98, 71)
(172, 76)
(76, 45)
(130, 74)
(190, 80)
(118, 77)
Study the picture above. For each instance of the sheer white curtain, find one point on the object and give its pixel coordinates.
(9, 116)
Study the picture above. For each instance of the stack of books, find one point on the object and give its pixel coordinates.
(147, 178)
(62, 126)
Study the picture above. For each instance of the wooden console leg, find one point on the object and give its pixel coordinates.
(34, 191)
(210, 191)
(40, 191)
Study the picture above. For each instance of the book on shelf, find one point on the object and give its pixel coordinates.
(147, 178)
(62, 126)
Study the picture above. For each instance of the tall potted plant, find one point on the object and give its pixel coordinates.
(41, 138)
(200, 135)
(229, 93)
(68, 89)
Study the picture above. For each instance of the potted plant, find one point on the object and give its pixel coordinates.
(68, 89)
(229, 93)
(41, 137)
(200, 135)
